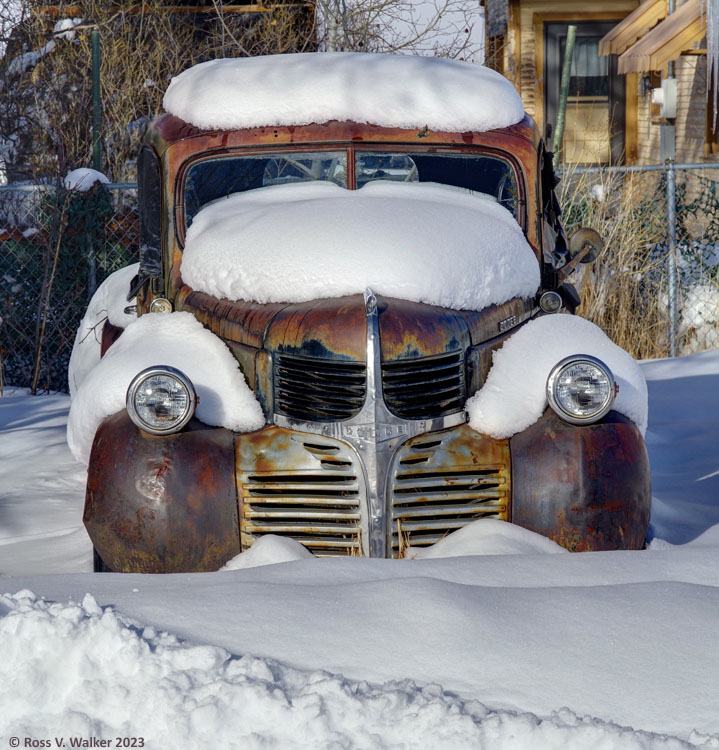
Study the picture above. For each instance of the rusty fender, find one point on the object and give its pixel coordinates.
(587, 487)
(162, 504)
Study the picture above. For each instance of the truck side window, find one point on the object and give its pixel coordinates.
(149, 186)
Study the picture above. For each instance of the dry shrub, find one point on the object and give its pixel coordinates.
(45, 77)
(624, 290)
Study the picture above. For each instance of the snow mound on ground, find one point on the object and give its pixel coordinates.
(488, 536)
(420, 242)
(174, 339)
(397, 91)
(83, 179)
(108, 302)
(514, 394)
(79, 670)
(268, 550)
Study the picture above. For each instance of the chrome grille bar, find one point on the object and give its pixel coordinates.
(375, 433)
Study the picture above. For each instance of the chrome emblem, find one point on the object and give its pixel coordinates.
(507, 323)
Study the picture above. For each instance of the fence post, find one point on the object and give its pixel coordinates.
(671, 258)
(96, 103)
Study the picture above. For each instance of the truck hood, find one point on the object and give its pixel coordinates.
(336, 328)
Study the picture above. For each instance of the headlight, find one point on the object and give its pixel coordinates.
(161, 400)
(581, 389)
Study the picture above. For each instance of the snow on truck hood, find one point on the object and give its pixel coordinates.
(400, 91)
(419, 242)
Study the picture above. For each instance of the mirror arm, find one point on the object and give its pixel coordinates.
(567, 269)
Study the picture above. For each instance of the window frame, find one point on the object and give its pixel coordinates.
(351, 149)
(150, 195)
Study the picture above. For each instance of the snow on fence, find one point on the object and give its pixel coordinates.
(655, 290)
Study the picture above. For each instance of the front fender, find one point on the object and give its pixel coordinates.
(587, 487)
(162, 504)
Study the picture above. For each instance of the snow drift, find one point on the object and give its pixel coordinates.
(396, 91)
(420, 242)
(269, 549)
(174, 339)
(488, 536)
(514, 395)
(82, 670)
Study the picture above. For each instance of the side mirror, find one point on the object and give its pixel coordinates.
(585, 245)
(548, 132)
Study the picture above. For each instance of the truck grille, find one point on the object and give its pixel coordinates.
(318, 390)
(426, 387)
(318, 507)
(442, 481)
(323, 390)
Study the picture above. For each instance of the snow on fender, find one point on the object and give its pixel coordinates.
(174, 339)
(108, 302)
(514, 395)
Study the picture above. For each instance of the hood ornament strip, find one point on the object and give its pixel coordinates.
(375, 434)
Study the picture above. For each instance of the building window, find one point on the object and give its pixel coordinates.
(594, 122)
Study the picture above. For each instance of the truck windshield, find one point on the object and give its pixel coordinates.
(474, 173)
(211, 179)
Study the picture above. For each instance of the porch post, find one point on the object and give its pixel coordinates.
(563, 93)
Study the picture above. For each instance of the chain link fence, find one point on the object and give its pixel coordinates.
(56, 247)
(654, 290)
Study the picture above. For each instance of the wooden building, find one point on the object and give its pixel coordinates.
(623, 51)
(666, 53)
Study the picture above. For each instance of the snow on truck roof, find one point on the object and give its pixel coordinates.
(399, 91)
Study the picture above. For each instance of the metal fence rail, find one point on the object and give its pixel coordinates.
(658, 275)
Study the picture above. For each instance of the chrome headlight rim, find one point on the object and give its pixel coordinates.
(167, 371)
(554, 376)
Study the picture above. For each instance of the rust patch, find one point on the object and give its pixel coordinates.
(319, 328)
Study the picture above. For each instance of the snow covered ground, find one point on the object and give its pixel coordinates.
(530, 650)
